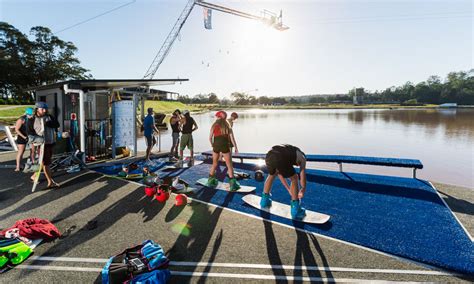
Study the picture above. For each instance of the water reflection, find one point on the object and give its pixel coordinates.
(454, 123)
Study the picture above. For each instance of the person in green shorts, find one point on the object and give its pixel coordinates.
(221, 137)
(189, 125)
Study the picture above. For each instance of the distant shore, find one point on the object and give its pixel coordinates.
(9, 114)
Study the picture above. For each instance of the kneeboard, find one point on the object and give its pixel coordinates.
(185, 189)
(226, 186)
(184, 166)
(284, 210)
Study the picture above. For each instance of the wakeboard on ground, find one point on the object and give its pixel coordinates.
(226, 186)
(283, 210)
(184, 165)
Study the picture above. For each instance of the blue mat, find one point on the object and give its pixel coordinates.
(399, 216)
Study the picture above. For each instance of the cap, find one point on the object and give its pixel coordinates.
(221, 114)
(185, 112)
(41, 105)
(29, 111)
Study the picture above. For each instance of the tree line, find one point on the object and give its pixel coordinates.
(457, 87)
(25, 62)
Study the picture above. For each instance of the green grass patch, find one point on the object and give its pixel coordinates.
(168, 107)
(18, 111)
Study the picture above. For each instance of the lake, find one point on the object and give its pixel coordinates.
(442, 139)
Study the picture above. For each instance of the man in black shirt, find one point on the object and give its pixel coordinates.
(189, 125)
(280, 161)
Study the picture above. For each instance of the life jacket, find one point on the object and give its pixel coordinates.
(13, 251)
(145, 263)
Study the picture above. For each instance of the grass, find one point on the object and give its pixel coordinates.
(17, 111)
(168, 107)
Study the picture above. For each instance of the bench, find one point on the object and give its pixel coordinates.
(340, 159)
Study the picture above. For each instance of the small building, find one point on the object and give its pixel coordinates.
(101, 115)
(358, 96)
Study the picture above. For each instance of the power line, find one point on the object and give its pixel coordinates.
(95, 17)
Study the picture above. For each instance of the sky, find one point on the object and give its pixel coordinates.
(331, 46)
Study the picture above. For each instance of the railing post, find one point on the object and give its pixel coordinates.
(340, 167)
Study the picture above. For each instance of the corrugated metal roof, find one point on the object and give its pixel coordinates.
(108, 84)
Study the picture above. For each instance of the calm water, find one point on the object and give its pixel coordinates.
(442, 139)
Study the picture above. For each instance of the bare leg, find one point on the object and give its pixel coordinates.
(294, 187)
(215, 160)
(268, 184)
(32, 153)
(148, 150)
(19, 156)
(228, 162)
(48, 175)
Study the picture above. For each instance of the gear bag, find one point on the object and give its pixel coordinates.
(13, 251)
(145, 263)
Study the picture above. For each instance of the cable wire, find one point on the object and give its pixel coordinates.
(95, 17)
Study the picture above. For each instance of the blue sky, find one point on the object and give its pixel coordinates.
(331, 46)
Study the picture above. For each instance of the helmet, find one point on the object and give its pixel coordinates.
(234, 115)
(181, 199)
(150, 191)
(259, 175)
(185, 112)
(29, 111)
(162, 195)
(221, 114)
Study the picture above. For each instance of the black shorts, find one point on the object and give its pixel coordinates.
(150, 140)
(22, 141)
(221, 145)
(48, 154)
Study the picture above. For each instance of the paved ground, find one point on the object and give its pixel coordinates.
(101, 216)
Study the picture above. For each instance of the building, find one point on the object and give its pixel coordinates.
(101, 115)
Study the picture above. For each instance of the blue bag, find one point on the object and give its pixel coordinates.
(145, 263)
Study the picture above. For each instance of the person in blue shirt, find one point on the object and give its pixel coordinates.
(149, 127)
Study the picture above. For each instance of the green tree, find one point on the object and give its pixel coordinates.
(26, 63)
(213, 99)
(264, 100)
(240, 98)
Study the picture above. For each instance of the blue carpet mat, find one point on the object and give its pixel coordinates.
(399, 216)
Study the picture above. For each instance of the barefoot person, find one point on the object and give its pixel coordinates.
(189, 125)
(176, 129)
(221, 137)
(149, 127)
(42, 125)
(280, 161)
(22, 139)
